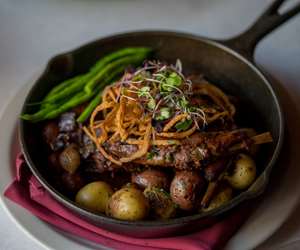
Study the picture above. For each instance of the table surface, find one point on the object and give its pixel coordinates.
(32, 31)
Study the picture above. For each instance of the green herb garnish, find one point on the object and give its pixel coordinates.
(151, 104)
(183, 102)
(184, 125)
(150, 155)
(174, 79)
(169, 157)
(164, 114)
(144, 91)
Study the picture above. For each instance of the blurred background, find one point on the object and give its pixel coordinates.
(32, 31)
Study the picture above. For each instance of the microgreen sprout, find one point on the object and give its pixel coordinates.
(178, 65)
(151, 104)
(164, 114)
(150, 155)
(158, 84)
(144, 91)
(183, 125)
(174, 79)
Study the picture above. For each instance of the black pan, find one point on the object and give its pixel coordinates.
(228, 64)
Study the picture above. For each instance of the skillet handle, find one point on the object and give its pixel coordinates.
(246, 42)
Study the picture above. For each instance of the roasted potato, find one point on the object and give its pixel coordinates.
(69, 159)
(53, 163)
(94, 196)
(71, 183)
(243, 174)
(224, 195)
(151, 178)
(128, 204)
(185, 189)
(160, 202)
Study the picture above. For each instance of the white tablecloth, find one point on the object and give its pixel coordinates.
(32, 31)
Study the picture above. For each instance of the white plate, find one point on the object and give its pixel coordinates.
(271, 211)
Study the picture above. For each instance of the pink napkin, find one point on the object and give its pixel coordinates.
(26, 191)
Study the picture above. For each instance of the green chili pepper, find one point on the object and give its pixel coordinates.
(89, 109)
(62, 86)
(119, 54)
(102, 62)
(68, 90)
(73, 85)
(97, 99)
(53, 111)
(90, 80)
(123, 61)
(84, 87)
(74, 101)
(38, 115)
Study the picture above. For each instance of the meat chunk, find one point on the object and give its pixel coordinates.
(50, 132)
(151, 178)
(214, 169)
(194, 151)
(87, 146)
(67, 122)
(97, 163)
(186, 188)
(121, 150)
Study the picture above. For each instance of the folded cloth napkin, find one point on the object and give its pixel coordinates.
(26, 191)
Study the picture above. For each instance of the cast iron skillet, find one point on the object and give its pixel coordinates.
(227, 63)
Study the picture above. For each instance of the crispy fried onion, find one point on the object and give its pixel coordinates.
(216, 94)
(121, 117)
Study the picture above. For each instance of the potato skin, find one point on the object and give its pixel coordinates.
(221, 198)
(185, 189)
(69, 159)
(161, 203)
(94, 196)
(128, 204)
(244, 172)
(71, 183)
(151, 178)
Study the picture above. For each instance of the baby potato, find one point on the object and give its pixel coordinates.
(160, 203)
(150, 178)
(128, 203)
(70, 183)
(69, 159)
(222, 197)
(94, 196)
(185, 189)
(244, 172)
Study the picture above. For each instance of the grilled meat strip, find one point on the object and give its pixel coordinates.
(193, 152)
